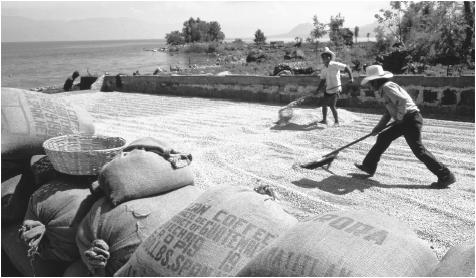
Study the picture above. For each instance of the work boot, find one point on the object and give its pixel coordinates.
(364, 169)
(444, 181)
(336, 123)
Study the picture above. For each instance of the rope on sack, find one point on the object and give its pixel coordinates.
(32, 232)
(177, 159)
(97, 256)
(266, 190)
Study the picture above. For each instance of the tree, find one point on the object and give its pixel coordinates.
(356, 33)
(187, 29)
(434, 31)
(320, 30)
(175, 38)
(437, 31)
(259, 37)
(469, 40)
(201, 31)
(203, 28)
(391, 19)
(383, 40)
(347, 36)
(335, 34)
(368, 37)
(214, 32)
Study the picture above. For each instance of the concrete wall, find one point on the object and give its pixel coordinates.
(451, 95)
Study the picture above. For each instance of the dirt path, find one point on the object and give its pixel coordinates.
(238, 143)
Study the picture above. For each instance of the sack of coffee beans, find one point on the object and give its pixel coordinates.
(122, 228)
(29, 118)
(345, 243)
(17, 253)
(139, 174)
(54, 213)
(215, 236)
(457, 262)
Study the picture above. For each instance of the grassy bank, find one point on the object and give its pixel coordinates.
(232, 57)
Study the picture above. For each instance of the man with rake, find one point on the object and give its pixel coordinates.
(399, 106)
(330, 77)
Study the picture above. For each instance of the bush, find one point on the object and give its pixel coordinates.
(212, 47)
(174, 38)
(196, 48)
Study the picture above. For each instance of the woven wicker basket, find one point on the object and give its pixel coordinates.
(82, 154)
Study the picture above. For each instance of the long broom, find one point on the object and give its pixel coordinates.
(327, 159)
(286, 113)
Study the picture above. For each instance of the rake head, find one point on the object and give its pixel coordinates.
(325, 162)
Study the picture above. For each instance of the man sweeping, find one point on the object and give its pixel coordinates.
(400, 106)
(330, 78)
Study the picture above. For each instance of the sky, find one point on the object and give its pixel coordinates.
(237, 18)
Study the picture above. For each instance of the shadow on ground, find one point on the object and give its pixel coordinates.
(341, 185)
(296, 127)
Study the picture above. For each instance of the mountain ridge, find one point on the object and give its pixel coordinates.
(21, 29)
(303, 30)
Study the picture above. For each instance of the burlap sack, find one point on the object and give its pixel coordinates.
(29, 118)
(54, 213)
(13, 166)
(345, 243)
(215, 236)
(16, 251)
(77, 269)
(457, 262)
(15, 195)
(17, 190)
(139, 174)
(8, 186)
(43, 170)
(149, 143)
(124, 227)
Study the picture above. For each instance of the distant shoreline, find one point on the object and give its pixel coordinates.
(248, 40)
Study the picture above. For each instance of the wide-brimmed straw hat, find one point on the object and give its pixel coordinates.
(375, 72)
(327, 51)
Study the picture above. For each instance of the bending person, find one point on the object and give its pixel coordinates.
(400, 106)
(68, 84)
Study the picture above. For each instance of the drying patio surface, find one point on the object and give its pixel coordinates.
(237, 143)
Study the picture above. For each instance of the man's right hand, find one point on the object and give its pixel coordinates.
(376, 130)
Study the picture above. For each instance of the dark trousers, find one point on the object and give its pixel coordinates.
(410, 128)
(331, 101)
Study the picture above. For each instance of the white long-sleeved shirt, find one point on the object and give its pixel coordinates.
(397, 101)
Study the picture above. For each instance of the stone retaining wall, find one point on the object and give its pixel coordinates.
(450, 95)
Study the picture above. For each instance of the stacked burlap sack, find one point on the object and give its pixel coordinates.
(28, 119)
(43, 210)
(93, 229)
(143, 188)
(216, 235)
(345, 243)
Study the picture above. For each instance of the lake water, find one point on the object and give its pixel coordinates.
(38, 64)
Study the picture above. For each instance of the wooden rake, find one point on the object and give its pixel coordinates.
(327, 159)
